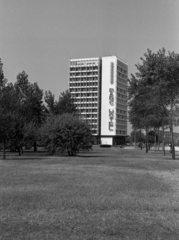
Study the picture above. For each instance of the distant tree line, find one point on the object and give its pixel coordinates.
(28, 118)
(138, 137)
(153, 94)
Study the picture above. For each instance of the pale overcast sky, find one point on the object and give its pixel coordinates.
(40, 36)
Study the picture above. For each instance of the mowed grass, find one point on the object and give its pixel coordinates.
(104, 194)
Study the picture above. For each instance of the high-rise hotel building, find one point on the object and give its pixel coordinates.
(99, 89)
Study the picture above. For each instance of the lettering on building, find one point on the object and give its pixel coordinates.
(111, 96)
(111, 118)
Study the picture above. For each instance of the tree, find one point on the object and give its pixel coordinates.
(30, 101)
(64, 104)
(142, 110)
(6, 122)
(31, 133)
(7, 112)
(138, 136)
(50, 101)
(154, 91)
(166, 85)
(1, 73)
(7, 108)
(16, 138)
(66, 133)
(20, 105)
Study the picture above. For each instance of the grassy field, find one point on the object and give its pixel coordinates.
(104, 195)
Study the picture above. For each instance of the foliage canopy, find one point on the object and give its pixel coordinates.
(66, 133)
(154, 92)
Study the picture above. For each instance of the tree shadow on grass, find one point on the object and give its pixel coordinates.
(91, 156)
(46, 156)
(23, 158)
(170, 159)
(26, 156)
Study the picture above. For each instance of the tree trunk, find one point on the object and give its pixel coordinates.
(35, 146)
(22, 152)
(135, 138)
(4, 148)
(146, 142)
(171, 132)
(155, 139)
(172, 141)
(163, 140)
(141, 145)
(158, 138)
(19, 151)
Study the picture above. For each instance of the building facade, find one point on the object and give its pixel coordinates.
(99, 89)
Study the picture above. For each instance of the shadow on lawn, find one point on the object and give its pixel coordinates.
(45, 156)
(91, 156)
(23, 159)
(26, 156)
(121, 154)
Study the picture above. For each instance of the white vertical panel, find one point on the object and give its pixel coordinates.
(108, 98)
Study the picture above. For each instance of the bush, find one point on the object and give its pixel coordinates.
(66, 133)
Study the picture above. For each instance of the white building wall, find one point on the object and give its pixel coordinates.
(106, 141)
(176, 129)
(108, 96)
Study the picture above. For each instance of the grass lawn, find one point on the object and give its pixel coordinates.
(109, 193)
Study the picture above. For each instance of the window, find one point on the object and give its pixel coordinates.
(112, 73)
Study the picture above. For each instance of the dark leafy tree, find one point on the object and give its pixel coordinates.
(50, 102)
(7, 112)
(1, 73)
(169, 82)
(66, 133)
(138, 136)
(30, 101)
(128, 140)
(65, 103)
(165, 84)
(6, 123)
(16, 139)
(151, 137)
(31, 133)
(154, 91)
(142, 111)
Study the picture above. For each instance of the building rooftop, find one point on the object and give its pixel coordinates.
(97, 58)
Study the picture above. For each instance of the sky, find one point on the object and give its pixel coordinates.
(40, 36)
